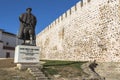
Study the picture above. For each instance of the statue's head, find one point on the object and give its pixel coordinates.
(29, 10)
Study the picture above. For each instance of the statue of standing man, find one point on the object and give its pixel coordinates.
(27, 27)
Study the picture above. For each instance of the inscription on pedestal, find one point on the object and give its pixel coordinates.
(26, 54)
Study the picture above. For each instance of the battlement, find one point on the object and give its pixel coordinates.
(68, 13)
(87, 31)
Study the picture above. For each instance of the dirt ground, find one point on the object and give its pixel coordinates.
(8, 71)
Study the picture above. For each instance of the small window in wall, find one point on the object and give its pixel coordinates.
(7, 43)
(7, 55)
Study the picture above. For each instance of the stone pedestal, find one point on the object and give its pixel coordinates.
(24, 66)
(26, 56)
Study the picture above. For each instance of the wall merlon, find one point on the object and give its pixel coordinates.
(85, 2)
(48, 28)
(64, 16)
(59, 19)
(50, 25)
(56, 21)
(73, 9)
(53, 23)
(45, 29)
(78, 5)
(68, 12)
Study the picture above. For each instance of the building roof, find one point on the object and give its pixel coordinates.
(3, 31)
(9, 33)
(1, 41)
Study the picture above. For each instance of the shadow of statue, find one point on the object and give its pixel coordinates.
(90, 73)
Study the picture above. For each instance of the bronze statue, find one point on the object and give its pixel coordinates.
(27, 27)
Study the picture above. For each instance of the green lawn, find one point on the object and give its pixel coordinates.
(63, 68)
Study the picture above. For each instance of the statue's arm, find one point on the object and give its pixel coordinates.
(20, 18)
(35, 21)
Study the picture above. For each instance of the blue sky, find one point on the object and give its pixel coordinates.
(46, 12)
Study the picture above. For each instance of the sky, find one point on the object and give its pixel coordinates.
(46, 11)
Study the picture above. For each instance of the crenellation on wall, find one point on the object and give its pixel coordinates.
(78, 5)
(85, 2)
(53, 24)
(58, 19)
(49, 27)
(89, 32)
(61, 18)
(68, 13)
(73, 9)
(64, 16)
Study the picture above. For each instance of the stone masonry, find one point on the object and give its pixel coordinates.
(89, 30)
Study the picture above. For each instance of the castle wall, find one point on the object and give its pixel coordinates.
(90, 30)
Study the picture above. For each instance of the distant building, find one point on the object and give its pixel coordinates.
(8, 41)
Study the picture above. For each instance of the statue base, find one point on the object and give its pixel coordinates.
(25, 66)
(26, 56)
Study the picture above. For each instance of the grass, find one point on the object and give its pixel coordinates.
(61, 63)
(63, 68)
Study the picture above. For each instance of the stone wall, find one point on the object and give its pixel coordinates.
(89, 30)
